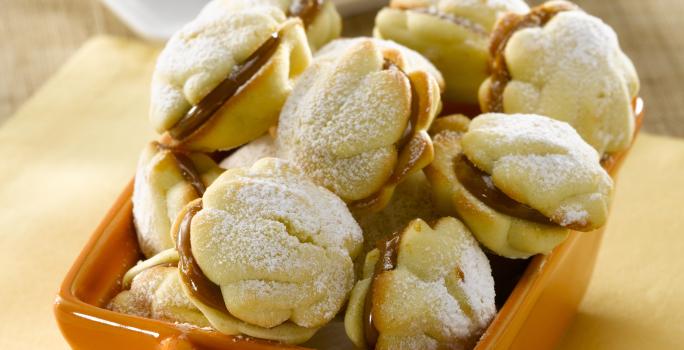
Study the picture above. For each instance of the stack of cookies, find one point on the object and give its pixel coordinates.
(299, 176)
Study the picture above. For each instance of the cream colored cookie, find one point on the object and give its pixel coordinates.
(569, 68)
(320, 17)
(346, 124)
(156, 293)
(452, 34)
(434, 291)
(411, 200)
(412, 61)
(248, 154)
(221, 81)
(165, 182)
(535, 161)
(279, 247)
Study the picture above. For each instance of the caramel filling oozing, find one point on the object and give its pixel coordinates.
(505, 28)
(407, 142)
(187, 168)
(201, 113)
(387, 261)
(191, 274)
(306, 10)
(481, 185)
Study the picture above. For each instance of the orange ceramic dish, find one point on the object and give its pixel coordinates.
(533, 317)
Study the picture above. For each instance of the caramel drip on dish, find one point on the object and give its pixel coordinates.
(481, 185)
(306, 10)
(201, 113)
(505, 28)
(387, 261)
(191, 274)
(187, 168)
(458, 20)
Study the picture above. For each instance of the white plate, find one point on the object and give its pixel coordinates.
(159, 19)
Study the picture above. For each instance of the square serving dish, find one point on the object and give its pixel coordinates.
(534, 316)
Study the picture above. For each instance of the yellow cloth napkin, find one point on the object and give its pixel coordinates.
(635, 298)
(69, 151)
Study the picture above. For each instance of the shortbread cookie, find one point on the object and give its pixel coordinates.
(425, 288)
(560, 62)
(221, 82)
(412, 199)
(156, 293)
(413, 61)
(519, 182)
(452, 34)
(320, 17)
(356, 122)
(166, 180)
(248, 154)
(267, 253)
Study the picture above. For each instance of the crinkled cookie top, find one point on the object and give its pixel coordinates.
(342, 121)
(573, 69)
(347, 113)
(202, 54)
(543, 163)
(441, 291)
(279, 246)
(412, 60)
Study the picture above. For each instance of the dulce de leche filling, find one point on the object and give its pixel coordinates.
(505, 28)
(187, 168)
(201, 113)
(416, 147)
(200, 287)
(481, 185)
(387, 261)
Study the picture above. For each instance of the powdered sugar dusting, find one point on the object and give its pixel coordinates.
(342, 121)
(156, 293)
(442, 288)
(200, 55)
(543, 163)
(573, 214)
(573, 70)
(268, 236)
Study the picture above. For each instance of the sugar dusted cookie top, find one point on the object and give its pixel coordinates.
(274, 241)
(345, 124)
(411, 60)
(156, 293)
(201, 55)
(320, 17)
(543, 163)
(572, 69)
(165, 181)
(436, 291)
(452, 34)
